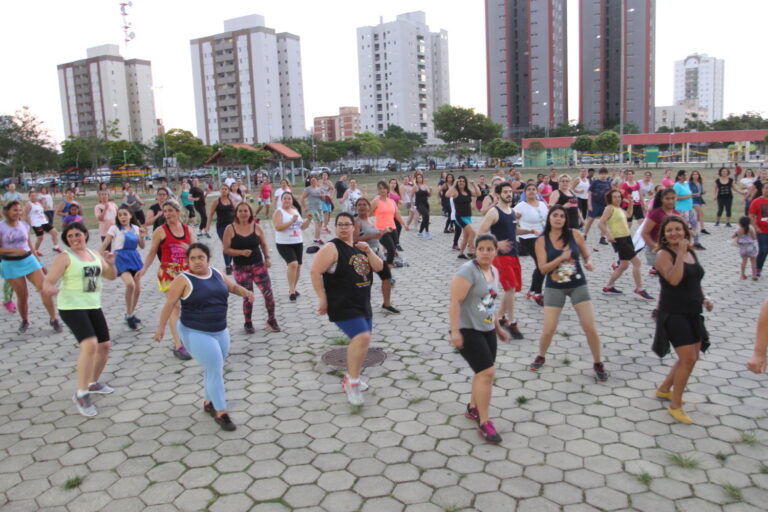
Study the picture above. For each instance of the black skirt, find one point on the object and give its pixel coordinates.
(677, 330)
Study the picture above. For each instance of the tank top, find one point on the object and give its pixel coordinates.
(687, 297)
(421, 196)
(252, 242)
(568, 274)
(348, 286)
(724, 189)
(205, 307)
(617, 223)
(366, 228)
(505, 229)
(37, 215)
(463, 205)
(225, 213)
(80, 283)
(385, 213)
(174, 249)
(135, 207)
(582, 188)
(314, 198)
(571, 205)
(291, 234)
(484, 191)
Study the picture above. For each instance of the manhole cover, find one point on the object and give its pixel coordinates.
(338, 357)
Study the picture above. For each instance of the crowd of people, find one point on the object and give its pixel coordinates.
(547, 219)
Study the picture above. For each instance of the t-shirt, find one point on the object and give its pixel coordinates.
(683, 189)
(229, 181)
(598, 188)
(118, 236)
(631, 191)
(667, 182)
(759, 208)
(279, 193)
(476, 311)
(341, 187)
(199, 194)
(657, 215)
(11, 196)
(14, 237)
(531, 217)
(110, 214)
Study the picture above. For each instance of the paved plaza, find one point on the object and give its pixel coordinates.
(569, 443)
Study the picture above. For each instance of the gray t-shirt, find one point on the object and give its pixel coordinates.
(477, 307)
(314, 198)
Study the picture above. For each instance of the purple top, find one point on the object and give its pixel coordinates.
(16, 237)
(657, 215)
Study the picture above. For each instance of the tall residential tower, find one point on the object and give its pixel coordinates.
(248, 85)
(105, 90)
(526, 49)
(617, 48)
(403, 71)
(699, 79)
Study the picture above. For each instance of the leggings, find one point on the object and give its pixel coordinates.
(139, 214)
(762, 244)
(583, 206)
(693, 222)
(457, 231)
(200, 208)
(220, 231)
(248, 275)
(399, 228)
(448, 224)
(423, 210)
(724, 203)
(537, 278)
(190, 211)
(387, 241)
(209, 349)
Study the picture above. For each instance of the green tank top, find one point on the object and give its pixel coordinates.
(617, 223)
(81, 283)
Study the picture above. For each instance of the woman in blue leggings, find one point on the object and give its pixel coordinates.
(203, 292)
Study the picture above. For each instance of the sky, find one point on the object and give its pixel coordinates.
(37, 35)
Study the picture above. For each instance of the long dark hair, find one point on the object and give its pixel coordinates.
(131, 221)
(566, 236)
(660, 194)
(745, 223)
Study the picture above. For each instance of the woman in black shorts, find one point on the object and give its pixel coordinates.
(475, 326)
(288, 239)
(679, 321)
(79, 303)
(558, 253)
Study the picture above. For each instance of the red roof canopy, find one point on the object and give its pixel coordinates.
(282, 150)
(644, 139)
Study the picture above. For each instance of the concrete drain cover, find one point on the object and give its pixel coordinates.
(338, 357)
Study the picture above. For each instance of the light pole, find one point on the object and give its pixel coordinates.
(165, 146)
(622, 77)
(125, 161)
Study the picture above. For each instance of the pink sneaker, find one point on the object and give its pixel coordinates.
(10, 306)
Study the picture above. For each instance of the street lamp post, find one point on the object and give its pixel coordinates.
(622, 77)
(125, 161)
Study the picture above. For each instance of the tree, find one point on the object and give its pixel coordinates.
(457, 124)
(583, 144)
(396, 132)
(499, 148)
(177, 141)
(252, 158)
(328, 152)
(401, 148)
(75, 152)
(370, 144)
(607, 142)
(25, 144)
(133, 152)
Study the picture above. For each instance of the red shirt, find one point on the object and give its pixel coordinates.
(627, 189)
(759, 208)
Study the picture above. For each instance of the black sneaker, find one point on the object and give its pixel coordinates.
(536, 364)
(229, 270)
(462, 256)
(705, 232)
(400, 248)
(612, 291)
(698, 246)
(513, 331)
(600, 374)
(472, 414)
(292, 297)
(208, 408)
(728, 225)
(56, 325)
(225, 422)
(23, 327)
(131, 323)
(603, 241)
(391, 309)
(249, 328)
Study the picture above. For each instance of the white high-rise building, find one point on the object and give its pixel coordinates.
(105, 90)
(700, 78)
(403, 71)
(248, 84)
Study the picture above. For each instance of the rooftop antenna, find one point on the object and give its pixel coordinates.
(126, 24)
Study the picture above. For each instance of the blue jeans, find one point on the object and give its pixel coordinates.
(762, 252)
(209, 349)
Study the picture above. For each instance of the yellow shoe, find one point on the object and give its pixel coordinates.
(680, 415)
(666, 395)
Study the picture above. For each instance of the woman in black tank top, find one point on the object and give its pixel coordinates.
(462, 192)
(563, 196)
(679, 321)
(245, 242)
(225, 214)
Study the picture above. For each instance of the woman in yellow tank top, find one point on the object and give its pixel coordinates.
(79, 302)
(615, 228)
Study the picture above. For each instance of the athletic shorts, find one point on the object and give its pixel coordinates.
(509, 272)
(86, 323)
(264, 201)
(479, 348)
(684, 329)
(597, 211)
(326, 207)
(355, 326)
(555, 297)
(650, 256)
(290, 252)
(385, 273)
(40, 230)
(624, 247)
(637, 212)
(463, 221)
(316, 215)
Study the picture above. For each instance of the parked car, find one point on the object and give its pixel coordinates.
(422, 167)
(517, 162)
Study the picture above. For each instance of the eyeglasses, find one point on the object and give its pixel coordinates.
(344, 225)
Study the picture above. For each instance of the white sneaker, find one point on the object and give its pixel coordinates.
(84, 405)
(354, 393)
(99, 388)
(363, 384)
(427, 236)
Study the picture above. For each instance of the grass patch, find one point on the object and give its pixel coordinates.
(72, 483)
(338, 340)
(748, 438)
(566, 362)
(721, 457)
(764, 468)
(644, 478)
(521, 400)
(565, 334)
(416, 400)
(335, 373)
(412, 376)
(279, 501)
(733, 492)
(683, 461)
(450, 508)
(355, 409)
(598, 402)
